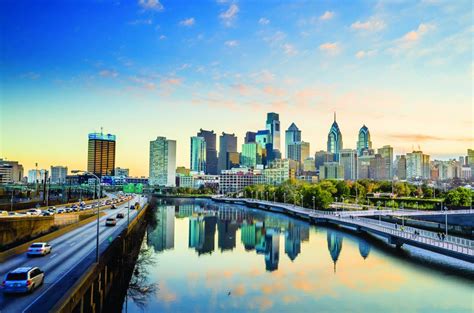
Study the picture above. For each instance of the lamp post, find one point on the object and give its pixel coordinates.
(266, 194)
(98, 210)
(284, 197)
(11, 202)
(313, 203)
(342, 200)
(302, 204)
(446, 219)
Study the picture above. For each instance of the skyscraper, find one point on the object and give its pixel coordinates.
(387, 154)
(162, 162)
(348, 159)
(251, 155)
(273, 126)
(298, 151)
(250, 137)
(364, 142)
(10, 171)
(292, 135)
(198, 154)
(101, 154)
(322, 157)
(58, 174)
(418, 165)
(211, 152)
(335, 140)
(401, 164)
(227, 145)
(263, 138)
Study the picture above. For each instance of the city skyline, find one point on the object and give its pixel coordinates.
(154, 69)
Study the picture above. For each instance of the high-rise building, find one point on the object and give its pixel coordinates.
(363, 166)
(58, 174)
(401, 165)
(263, 138)
(334, 140)
(298, 151)
(10, 171)
(101, 154)
(124, 172)
(273, 126)
(309, 165)
(236, 179)
(280, 170)
(348, 159)
(322, 157)
(251, 155)
(211, 152)
(377, 168)
(198, 154)
(331, 170)
(292, 135)
(470, 157)
(227, 144)
(418, 165)
(233, 160)
(387, 154)
(250, 137)
(161, 237)
(162, 162)
(363, 142)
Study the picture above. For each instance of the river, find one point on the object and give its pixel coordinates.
(200, 256)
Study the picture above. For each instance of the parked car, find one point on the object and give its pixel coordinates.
(74, 206)
(33, 212)
(120, 215)
(46, 213)
(23, 280)
(60, 211)
(68, 210)
(39, 248)
(113, 207)
(110, 221)
(3, 213)
(88, 207)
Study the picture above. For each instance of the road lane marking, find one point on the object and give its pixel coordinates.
(53, 256)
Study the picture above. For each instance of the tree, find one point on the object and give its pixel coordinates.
(342, 190)
(465, 196)
(453, 197)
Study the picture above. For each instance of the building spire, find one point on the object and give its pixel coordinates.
(334, 116)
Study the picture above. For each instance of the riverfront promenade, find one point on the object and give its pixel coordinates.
(398, 235)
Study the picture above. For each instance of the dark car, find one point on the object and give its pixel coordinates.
(120, 215)
(113, 207)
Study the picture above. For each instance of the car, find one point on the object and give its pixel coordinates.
(88, 207)
(74, 206)
(60, 211)
(23, 280)
(120, 215)
(39, 248)
(33, 212)
(110, 221)
(113, 207)
(3, 213)
(68, 210)
(52, 207)
(46, 213)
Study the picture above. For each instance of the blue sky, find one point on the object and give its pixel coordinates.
(144, 68)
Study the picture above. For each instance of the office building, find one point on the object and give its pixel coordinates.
(418, 165)
(123, 172)
(250, 137)
(298, 151)
(236, 179)
(334, 144)
(58, 174)
(233, 160)
(387, 154)
(363, 142)
(211, 152)
(10, 172)
(309, 165)
(263, 138)
(198, 155)
(227, 146)
(331, 170)
(292, 135)
(273, 126)
(322, 157)
(252, 155)
(363, 166)
(182, 170)
(280, 170)
(377, 168)
(348, 159)
(101, 154)
(401, 166)
(162, 162)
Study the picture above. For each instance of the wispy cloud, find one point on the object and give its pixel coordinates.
(289, 49)
(162, 37)
(365, 53)
(423, 138)
(264, 21)
(331, 48)
(228, 17)
(231, 43)
(30, 75)
(141, 22)
(273, 91)
(274, 38)
(415, 35)
(327, 16)
(108, 73)
(151, 5)
(373, 24)
(264, 76)
(187, 22)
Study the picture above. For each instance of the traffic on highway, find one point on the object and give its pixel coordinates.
(28, 276)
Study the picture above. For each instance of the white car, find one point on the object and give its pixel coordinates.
(39, 248)
(88, 207)
(33, 212)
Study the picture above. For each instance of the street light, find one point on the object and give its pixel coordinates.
(446, 219)
(313, 203)
(302, 201)
(98, 210)
(284, 197)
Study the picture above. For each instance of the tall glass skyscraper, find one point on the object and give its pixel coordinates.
(251, 155)
(273, 126)
(335, 140)
(101, 154)
(211, 152)
(162, 162)
(363, 142)
(198, 154)
(227, 146)
(292, 135)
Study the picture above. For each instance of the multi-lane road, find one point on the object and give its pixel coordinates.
(69, 252)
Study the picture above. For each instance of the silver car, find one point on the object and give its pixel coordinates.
(23, 280)
(39, 248)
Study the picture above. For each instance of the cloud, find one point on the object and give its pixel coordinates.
(162, 37)
(172, 81)
(415, 35)
(264, 76)
(263, 21)
(365, 54)
(273, 91)
(331, 48)
(242, 89)
(141, 22)
(231, 43)
(230, 15)
(151, 5)
(327, 16)
(373, 24)
(289, 49)
(423, 138)
(30, 75)
(187, 22)
(274, 38)
(108, 73)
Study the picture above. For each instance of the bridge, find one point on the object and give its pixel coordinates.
(452, 246)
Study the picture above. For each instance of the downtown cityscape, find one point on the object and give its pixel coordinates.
(236, 156)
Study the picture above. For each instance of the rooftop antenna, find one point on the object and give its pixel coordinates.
(334, 116)
(101, 130)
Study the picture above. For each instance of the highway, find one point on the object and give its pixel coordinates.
(68, 252)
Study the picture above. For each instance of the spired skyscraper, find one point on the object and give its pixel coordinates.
(198, 154)
(363, 143)
(335, 140)
(101, 154)
(292, 135)
(211, 152)
(273, 126)
(162, 162)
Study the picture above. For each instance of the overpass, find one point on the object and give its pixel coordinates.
(452, 246)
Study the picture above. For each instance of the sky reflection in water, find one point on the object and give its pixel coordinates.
(210, 257)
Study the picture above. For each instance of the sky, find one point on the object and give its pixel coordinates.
(147, 68)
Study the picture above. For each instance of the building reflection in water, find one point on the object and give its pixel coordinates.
(334, 245)
(202, 230)
(364, 248)
(161, 235)
(272, 249)
(294, 235)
